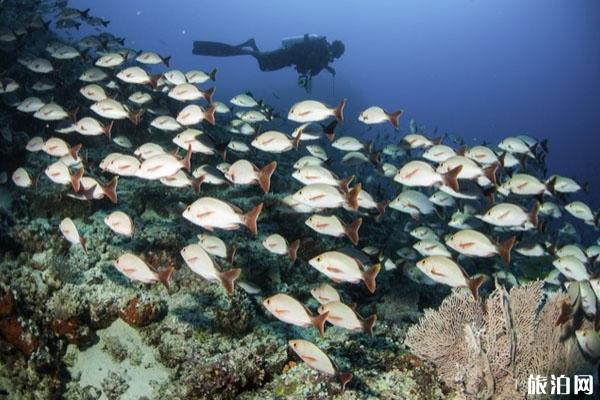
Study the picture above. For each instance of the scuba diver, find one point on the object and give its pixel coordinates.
(309, 54)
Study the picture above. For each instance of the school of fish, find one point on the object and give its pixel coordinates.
(491, 209)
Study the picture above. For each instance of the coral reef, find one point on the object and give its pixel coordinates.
(489, 349)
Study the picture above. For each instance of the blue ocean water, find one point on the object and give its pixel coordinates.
(479, 69)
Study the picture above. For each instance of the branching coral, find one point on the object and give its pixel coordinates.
(490, 349)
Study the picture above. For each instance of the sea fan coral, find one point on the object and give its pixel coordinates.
(490, 349)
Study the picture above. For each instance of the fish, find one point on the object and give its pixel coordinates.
(244, 100)
(21, 178)
(243, 172)
(318, 174)
(166, 123)
(91, 189)
(196, 76)
(572, 268)
(589, 342)
(112, 109)
(93, 92)
(413, 203)
(120, 223)
(163, 165)
(216, 247)
(377, 115)
(289, 310)
(277, 244)
(332, 226)
(189, 92)
(134, 268)
(473, 243)
(325, 293)
(69, 230)
(148, 150)
(194, 114)
(89, 126)
(341, 267)
(198, 260)
(341, 315)
(319, 195)
(511, 215)
(315, 111)
(316, 359)
(444, 270)
(275, 142)
(211, 213)
(431, 247)
(59, 173)
(420, 174)
(152, 58)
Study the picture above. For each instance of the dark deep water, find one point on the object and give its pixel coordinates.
(479, 69)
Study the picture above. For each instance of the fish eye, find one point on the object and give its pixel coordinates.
(319, 259)
(268, 301)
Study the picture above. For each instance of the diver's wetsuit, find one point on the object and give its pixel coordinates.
(309, 56)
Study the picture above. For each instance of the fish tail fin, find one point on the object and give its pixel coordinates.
(228, 278)
(462, 150)
(73, 114)
(318, 321)
(375, 158)
(437, 140)
(551, 185)
(83, 242)
(296, 141)
(187, 160)
(222, 150)
(344, 378)
(264, 176)
(369, 277)
(166, 60)
(164, 276)
(474, 285)
(135, 116)
(154, 80)
(489, 194)
(85, 13)
(505, 247)
(381, 206)
(73, 151)
(533, 214)
(110, 190)
(293, 250)
(566, 310)
(338, 111)
(231, 254)
(107, 129)
(450, 178)
(76, 179)
(213, 75)
(585, 186)
(352, 196)
(209, 114)
(345, 183)
(105, 22)
(490, 172)
(367, 324)
(250, 218)
(197, 183)
(208, 94)
(395, 118)
(351, 230)
(329, 130)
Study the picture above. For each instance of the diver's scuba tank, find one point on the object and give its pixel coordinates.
(290, 41)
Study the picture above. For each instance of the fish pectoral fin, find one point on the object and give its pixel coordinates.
(204, 214)
(466, 245)
(435, 272)
(155, 168)
(307, 358)
(280, 311)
